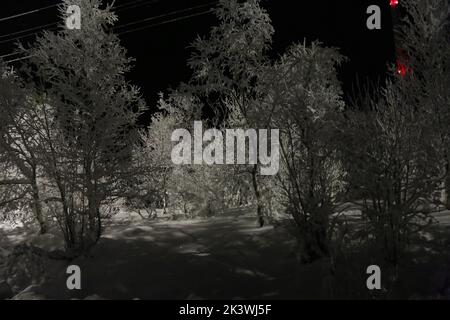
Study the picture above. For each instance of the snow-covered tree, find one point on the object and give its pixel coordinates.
(18, 159)
(227, 67)
(423, 37)
(152, 156)
(393, 167)
(305, 95)
(87, 115)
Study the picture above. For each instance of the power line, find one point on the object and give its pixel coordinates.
(166, 22)
(128, 3)
(164, 15)
(19, 59)
(121, 7)
(124, 6)
(29, 29)
(129, 31)
(25, 36)
(133, 4)
(28, 12)
(40, 28)
(10, 54)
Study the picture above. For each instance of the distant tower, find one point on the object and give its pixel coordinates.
(401, 58)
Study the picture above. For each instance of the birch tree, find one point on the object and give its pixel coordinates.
(87, 114)
(18, 156)
(227, 66)
(305, 96)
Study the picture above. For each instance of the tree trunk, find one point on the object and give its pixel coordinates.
(95, 221)
(165, 195)
(314, 235)
(165, 203)
(259, 204)
(37, 206)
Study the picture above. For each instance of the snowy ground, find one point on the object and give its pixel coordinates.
(226, 257)
(214, 258)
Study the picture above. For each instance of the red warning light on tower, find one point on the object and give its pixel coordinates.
(403, 63)
(402, 70)
(394, 4)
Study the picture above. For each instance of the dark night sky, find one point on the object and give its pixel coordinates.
(161, 52)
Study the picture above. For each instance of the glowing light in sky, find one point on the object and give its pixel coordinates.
(394, 3)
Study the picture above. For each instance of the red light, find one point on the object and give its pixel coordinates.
(401, 69)
(394, 3)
